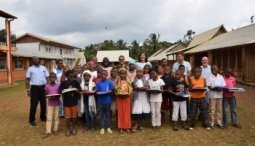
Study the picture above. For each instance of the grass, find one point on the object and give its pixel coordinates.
(15, 130)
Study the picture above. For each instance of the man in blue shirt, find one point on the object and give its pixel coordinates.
(104, 89)
(36, 78)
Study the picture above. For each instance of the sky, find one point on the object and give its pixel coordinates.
(83, 22)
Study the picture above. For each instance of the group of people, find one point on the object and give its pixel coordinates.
(133, 93)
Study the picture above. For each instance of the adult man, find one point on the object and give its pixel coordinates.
(181, 61)
(206, 68)
(36, 78)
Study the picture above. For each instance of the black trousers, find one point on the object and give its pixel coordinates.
(37, 95)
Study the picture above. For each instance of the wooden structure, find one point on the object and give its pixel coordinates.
(234, 49)
(8, 48)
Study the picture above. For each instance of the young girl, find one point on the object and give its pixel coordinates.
(53, 105)
(179, 88)
(113, 78)
(146, 72)
(215, 95)
(229, 100)
(160, 71)
(70, 93)
(141, 105)
(88, 105)
(123, 89)
(131, 70)
(156, 84)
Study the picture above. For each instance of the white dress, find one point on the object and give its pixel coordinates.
(141, 103)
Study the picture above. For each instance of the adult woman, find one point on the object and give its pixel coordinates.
(142, 61)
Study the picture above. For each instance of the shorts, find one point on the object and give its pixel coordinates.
(71, 111)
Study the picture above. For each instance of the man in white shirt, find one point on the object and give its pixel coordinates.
(181, 61)
(206, 68)
(36, 78)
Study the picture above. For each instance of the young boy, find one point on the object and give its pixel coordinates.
(113, 78)
(229, 100)
(178, 89)
(215, 84)
(70, 92)
(198, 89)
(157, 84)
(88, 100)
(167, 104)
(53, 104)
(104, 90)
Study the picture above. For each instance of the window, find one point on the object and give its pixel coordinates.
(18, 64)
(3, 64)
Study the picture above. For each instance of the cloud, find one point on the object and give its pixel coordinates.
(82, 22)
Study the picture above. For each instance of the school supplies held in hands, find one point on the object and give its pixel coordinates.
(69, 90)
(52, 96)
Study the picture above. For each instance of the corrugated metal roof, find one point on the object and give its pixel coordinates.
(241, 36)
(45, 39)
(113, 55)
(205, 36)
(163, 53)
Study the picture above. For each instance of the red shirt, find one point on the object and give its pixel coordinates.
(230, 83)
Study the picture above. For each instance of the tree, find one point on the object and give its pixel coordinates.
(151, 44)
(189, 36)
(3, 36)
(135, 49)
(120, 44)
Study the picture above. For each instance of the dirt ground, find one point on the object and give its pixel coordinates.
(15, 130)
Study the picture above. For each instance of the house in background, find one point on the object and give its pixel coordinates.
(29, 45)
(234, 49)
(162, 53)
(113, 55)
(198, 40)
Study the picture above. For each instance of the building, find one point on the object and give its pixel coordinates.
(7, 48)
(198, 40)
(163, 53)
(48, 50)
(113, 55)
(234, 49)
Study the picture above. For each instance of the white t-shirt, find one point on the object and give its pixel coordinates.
(141, 65)
(214, 81)
(185, 63)
(156, 85)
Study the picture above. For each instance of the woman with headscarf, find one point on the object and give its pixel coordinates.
(131, 70)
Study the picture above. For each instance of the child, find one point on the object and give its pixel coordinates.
(215, 95)
(113, 78)
(186, 80)
(197, 101)
(106, 65)
(141, 105)
(98, 78)
(160, 71)
(104, 90)
(167, 104)
(146, 71)
(53, 105)
(178, 89)
(123, 89)
(229, 100)
(131, 70)
(155, 83)
(88, 100)
(70, 93)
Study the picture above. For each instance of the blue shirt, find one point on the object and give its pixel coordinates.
(104, 86)
(37, 75)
